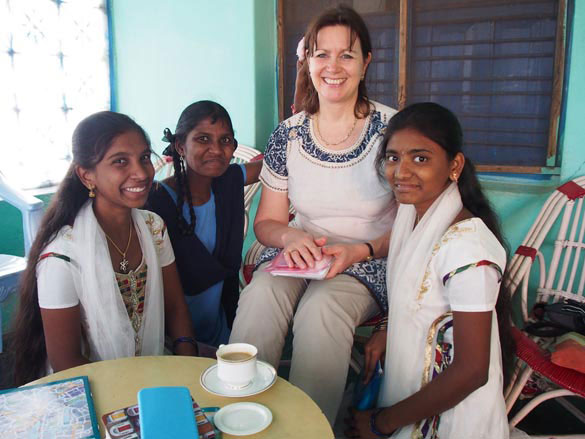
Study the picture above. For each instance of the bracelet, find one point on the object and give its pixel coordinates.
(382, 325)
(373, 428)
(371, 249)
(190, 340)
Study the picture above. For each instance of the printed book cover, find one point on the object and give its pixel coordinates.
(61, 409)
(125, 423)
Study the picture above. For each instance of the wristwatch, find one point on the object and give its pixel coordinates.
(371, 249)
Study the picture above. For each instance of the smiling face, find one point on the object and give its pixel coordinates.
(123, 177)
(336, 68)
(418, 169)
(208, 149)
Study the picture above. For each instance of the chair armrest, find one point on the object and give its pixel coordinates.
(19, 199)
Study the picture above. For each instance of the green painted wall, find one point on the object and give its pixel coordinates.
(573, 137)
(170, 54)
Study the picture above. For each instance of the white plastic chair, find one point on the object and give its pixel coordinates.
(562, 277)
(30, 207)
(12, 266)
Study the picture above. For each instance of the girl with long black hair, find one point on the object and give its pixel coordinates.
(101, 276)
(446, 342)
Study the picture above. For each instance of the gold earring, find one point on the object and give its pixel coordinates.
(91, 192)
(454, 177)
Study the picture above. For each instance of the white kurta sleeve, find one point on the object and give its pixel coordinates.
(55, 285)
(165, 251)
(474, 290)
(470, 266)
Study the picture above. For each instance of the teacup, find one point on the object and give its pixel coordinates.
(236, 364)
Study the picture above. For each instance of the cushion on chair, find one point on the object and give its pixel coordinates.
(540, 361)
(248, 271)
(570, 352)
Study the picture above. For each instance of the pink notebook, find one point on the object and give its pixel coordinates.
(279, 267)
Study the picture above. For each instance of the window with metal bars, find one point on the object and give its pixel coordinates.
(497, 64)
(55, 70)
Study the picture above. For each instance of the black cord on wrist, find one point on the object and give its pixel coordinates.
(373, 427)
(190, 340)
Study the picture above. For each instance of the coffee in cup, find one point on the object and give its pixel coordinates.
(236, 364)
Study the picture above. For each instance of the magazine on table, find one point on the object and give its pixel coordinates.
(53, 410)
(125, 423)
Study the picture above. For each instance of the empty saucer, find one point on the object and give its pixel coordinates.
(243, 418)
(264, 379)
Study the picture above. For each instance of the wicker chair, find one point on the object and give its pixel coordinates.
(563, 277)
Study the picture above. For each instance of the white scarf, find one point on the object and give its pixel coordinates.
(109, 330)
(409, 254)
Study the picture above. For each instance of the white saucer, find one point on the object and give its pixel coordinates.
(242, 418)
(264, 379)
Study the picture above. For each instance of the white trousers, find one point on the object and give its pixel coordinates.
(327, 313)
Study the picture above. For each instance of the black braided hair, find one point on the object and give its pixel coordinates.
(189, 119)
(440, 125)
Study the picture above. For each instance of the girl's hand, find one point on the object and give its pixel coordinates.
(373, 351)
(344, 255)
(358, 424)
(301, 249)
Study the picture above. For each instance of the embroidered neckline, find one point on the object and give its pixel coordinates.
(324, 149)
(315, 152)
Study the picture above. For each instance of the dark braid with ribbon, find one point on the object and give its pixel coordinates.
(182, 184)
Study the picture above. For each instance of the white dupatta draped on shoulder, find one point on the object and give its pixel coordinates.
(420, 343)
(410, 252)
(109, 330)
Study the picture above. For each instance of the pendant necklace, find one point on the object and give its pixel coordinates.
(124, 262)
(334, 143)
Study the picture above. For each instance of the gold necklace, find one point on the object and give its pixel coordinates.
(124, 262)
(342, 140)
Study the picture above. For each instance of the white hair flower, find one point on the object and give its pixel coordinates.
(301, 50)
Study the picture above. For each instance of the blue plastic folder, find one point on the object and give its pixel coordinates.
(166, 413)
(366, 396)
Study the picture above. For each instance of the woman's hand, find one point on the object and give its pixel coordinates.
(344, 255)
(301, 249)
(373, 351)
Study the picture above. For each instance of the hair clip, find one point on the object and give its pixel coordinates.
(168, 136)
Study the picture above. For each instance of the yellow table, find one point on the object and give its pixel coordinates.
(114, 385)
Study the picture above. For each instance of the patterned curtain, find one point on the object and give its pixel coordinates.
(54, 71)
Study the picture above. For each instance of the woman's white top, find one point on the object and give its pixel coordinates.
(337, 194)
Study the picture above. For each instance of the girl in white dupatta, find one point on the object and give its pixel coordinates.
(101, 274)
(445, 267)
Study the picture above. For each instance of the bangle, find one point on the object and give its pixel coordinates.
(373, 428)
(190, 340)
(371, 249)
(382, 325)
